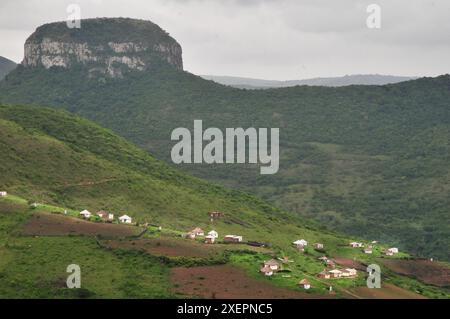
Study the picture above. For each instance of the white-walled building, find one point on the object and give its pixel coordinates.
(233, 238)
(300, 242)
(125, 219)
(86, 214)
(214, 234)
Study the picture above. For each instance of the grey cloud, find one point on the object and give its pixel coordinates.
(274, 39)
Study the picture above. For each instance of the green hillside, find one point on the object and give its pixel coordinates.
(372, 161)
(55, 157)
(64, 162)
(6, 66)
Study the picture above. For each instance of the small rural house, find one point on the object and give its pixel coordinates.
(324, 274)
(272, 264)
(335, 273)
(330, 263)
(304, 283)
(318, 246)
(190, 235)
(215, 215)
(233, 239)
(198, 231)
(3, 194)
(349, 272)
(300, 242)
(393, 250)
(368, 250)
(323, 258)
(86, 214)
(267, 271)
(356, 245)
(105, 215)
(210, 239)
(125, 219)
(214, 234)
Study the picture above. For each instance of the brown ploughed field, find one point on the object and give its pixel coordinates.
(227, 282)
(430, 272)
(387, 291)
(44, 224)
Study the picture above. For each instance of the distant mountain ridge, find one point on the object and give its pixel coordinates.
(356, 79)
(6, 66)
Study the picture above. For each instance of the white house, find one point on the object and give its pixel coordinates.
(3, 194)
(305, 284)
(125, 219)
(335, 273)
(105, 215)
(349, 272)
(393, 250)
(198, 231)
(318, 246)
(214, 234)
(300, 242)
(190, 235)
(210, 239)
(86, 214)
(356, 244)
(272, 264)
(233, 238)
(267, 271)
(368, 250)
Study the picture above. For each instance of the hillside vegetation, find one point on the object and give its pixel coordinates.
(65, 164)
(6, 66)
(372, 161)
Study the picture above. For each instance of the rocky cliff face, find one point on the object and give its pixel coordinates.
(108, 47)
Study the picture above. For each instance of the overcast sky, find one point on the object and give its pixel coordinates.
(270, 39)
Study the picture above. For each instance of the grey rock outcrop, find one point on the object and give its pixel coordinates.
(107, 46)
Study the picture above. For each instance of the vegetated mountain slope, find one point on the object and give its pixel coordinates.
(372, 161)
(65, 162)
(6, 66)
(355, 79)
(50, 156)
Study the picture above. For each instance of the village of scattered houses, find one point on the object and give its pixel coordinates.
(270, 267)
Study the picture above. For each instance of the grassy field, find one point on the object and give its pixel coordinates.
(35, 266)
(371, 161)
(65, 163)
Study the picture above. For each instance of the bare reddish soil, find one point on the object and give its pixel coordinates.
(349, 263)
(176, 247)
(430, 272)
(227, 282)
(387, 291)
(8, 207)
(165, 247)
(45, 224)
